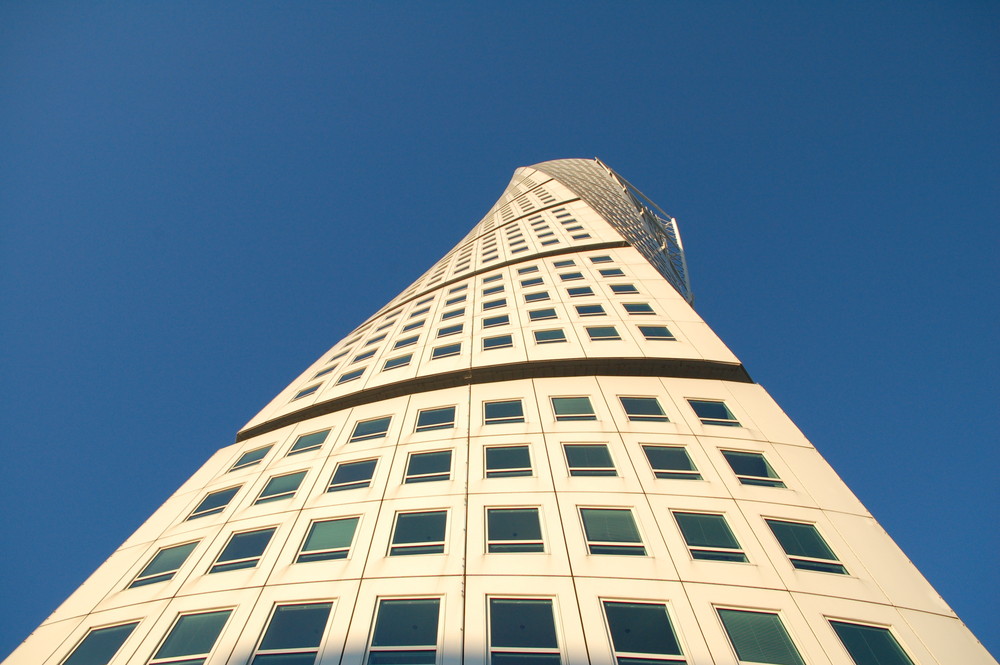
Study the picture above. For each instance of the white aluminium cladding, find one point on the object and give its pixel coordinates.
(537, 452)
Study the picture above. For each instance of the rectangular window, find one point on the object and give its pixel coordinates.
(450, 330)
(671, 463)
(192, 638)
(638, 308)
(456, 289)
(419, 533)
(293, 634)
(100, 645)
(214, 503)
(569, 263)
(350, 376)
(406, 341)
(374, 428)
(352, 475)
(446, 351)
(494, 321)
(621, 289)
(508, 461)
(455, 300)
(492, 278)
(493, 289)
(414, 325)
(406, 631)
(504, 411)
(498, 342)
(281, 487)
(323, 372)
(432, 419)
(243, 550)
(589, 459)
(642, 634)
(805, 547)
(549, 336)
(494, 304)
(870, 645)
(581, 236)
(522, 631)
(752, 469)
(532, 281)
(600, 259)
(573, 408)
(308, 442)
(571, 276)
(328, 540)
(428, 467)
(375, 340)
(654, 333)
(611, 531)
(538, 296)
(759, 637)
(510, 530)
(453, 313)
(709, 537)
(398, 361)
(712, 412)
(528, 270)
(590, 310)
(643, 409)
(306, 392)
(420, 312)
(542, 314)
(603, 333)
(578, 291)
(611, 272)
(164, 565)
(363, 356)
(250, 458)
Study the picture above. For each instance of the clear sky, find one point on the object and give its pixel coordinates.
(197, 199)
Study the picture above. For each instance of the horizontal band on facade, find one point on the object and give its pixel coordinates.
(650, 367)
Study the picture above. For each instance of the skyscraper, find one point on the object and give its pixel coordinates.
(536, 453)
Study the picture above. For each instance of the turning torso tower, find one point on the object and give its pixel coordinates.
(536, 453)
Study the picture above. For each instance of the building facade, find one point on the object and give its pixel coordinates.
(537, 453)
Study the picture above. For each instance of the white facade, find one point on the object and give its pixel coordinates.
(577, 528)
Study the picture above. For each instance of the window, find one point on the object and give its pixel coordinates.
(611, 531)
(602, 333)
(446, 351)
(243, 550)
(538, 296)
(709, 538)
(589, 459)
(511, 530)
(578, 291)
(281, 487)
(428, 467)
(455, 300)
(214, 503)
(759, 637)
(532, 281)
(870, 645)
(420, 312)
(600, 259)
(432, 419)
(549, 336)
(590, 310)
(308, 442)
(805, 547)
(493, 289)
(752, 469)
(191, 639)
(569, 263)
(414, 325)
(250, 458)
(164, 565)
(642, 634)
(498, 342)
(505, 411)
(713, 413)
(654, 333)
(493, 304)
(643, 409)
(542, 314)
(573, 408)
(492, 278)
(528, 270)
(363, 356)
(453, 313)
(671, 463)
(327, 540)
(398, 361)
(375, 340)
(406, 341)
(522, 630)
(493, 321)
(611, 272)
(419, 533)
(350, 376)
(352, 475)
(293, 635)
(571, 276)
(323, 372)
(306, 392)
(456, 289)
(375, 428)
(638, 308)
(406, 631)
(450, 330)
(100, 645)
(620, 289)
(424, 301)
(507, 461)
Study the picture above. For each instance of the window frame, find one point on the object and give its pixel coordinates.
(374, 434)
(614, 547)
(407, 649)
(240, 464)
(312, 650)
(155, 578)
(545, 314)
(507, 471)
(410, 478)
(902, 656)
(641, 417)
(648, 335)
(752, 480)
(831, 565)
(446, 331)
(263, 498)
(446, 351)
(434, 426)
(244, 562)
(500, 420)
(188, 657)
(623, 656)
(498, 342)
(712, 553)
(354, 484)
(495, 545)
(610, 471)
(777, 618)
(327, 553)
(554, 340)
(295, 450)
(670, 473)
(496, 321)
(511, 650)
(594, 336)
(440, 546)
(195, 514)
(731, 421)
(96, 631)
(600, 310)
(572, 417)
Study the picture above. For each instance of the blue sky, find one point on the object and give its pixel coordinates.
(198, 199)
